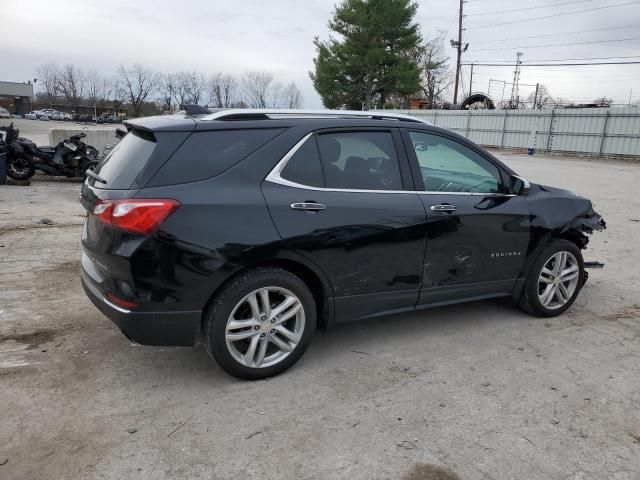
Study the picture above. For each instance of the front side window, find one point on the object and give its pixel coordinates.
(448, 166)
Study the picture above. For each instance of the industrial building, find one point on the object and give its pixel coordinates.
(16, 97)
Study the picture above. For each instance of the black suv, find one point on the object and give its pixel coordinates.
(250, 229)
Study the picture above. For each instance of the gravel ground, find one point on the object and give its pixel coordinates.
(482, 388)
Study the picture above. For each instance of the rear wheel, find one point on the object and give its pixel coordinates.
(261, 323)
(19, 168)
(554, 281)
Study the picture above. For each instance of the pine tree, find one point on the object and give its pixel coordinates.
(372, 60)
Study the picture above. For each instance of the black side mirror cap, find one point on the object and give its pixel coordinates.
(518, 185)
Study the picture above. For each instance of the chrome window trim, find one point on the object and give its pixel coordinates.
(274, 176)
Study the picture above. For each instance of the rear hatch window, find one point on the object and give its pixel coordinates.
(128, 158)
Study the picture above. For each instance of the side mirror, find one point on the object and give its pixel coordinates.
(518, 185)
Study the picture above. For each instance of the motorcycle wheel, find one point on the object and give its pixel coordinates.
(20, 169)
(90, 165)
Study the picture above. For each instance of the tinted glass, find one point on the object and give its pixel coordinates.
(122, 165)
(360, 160)
(448, 166)
(207, 154)
(304, 166)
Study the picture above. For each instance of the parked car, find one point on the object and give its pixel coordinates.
(4, 113)
(109, 119)
(55, 115)
(251, 228)
(31, 116)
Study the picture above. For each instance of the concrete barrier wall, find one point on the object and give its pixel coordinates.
(97, 138)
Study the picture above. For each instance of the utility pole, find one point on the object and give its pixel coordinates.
(471, 80)
(516, 78)
(535, 97)
(457, 44)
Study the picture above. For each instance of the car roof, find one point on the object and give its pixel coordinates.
(266, 118)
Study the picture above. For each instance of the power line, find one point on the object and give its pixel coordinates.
(527, 8)
(620, 27)
(555, 15)
(552, 64)
(571, 44)
(560, 59)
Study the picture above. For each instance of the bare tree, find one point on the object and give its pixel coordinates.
(196, 86)
(543, 99)
(108, 87)
(222, 90)
(167, 88)
(436, 75)
(135, 84)
(603, 101)
(292, 96)
(256, 88)
(94, 83)
(182, 89)
(48, 76)
(275, 95)
(71, 83)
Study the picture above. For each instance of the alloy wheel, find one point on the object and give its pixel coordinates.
(265, 327)
(558, 280)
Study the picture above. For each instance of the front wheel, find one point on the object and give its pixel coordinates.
(19, 168)
(261, 323)
(554, 280)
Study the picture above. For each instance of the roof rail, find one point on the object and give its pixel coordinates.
(263, 113)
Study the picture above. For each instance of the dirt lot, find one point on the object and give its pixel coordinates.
(480, 388)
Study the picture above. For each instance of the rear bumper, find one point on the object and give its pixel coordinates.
(146, 328)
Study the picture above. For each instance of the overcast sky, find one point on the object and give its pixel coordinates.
(277, 35)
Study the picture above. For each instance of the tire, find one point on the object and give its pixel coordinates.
(542, 293)
(20, 168)
(241, 301)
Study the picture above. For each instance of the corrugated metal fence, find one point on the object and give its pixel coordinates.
(590, 131)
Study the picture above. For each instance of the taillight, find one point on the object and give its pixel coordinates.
(142, 216)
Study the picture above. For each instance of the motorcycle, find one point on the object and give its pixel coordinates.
(70, 158)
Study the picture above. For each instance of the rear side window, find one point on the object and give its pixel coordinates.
(360, 161)
(127, 159)
(207, 154)
(304, 166)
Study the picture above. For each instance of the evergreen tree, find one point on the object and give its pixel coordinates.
(372, 59)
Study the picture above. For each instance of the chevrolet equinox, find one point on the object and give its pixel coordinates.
(249, 229)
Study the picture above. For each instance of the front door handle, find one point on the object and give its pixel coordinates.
(308, 206)
(444, 207)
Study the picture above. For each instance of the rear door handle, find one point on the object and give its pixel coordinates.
(308, 206)
(444, 207)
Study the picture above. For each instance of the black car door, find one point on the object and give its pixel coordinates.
(343, 200)
(477, 232)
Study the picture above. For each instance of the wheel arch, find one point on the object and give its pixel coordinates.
(308, 272)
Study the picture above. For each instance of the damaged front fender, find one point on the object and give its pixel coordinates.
(579, 229)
